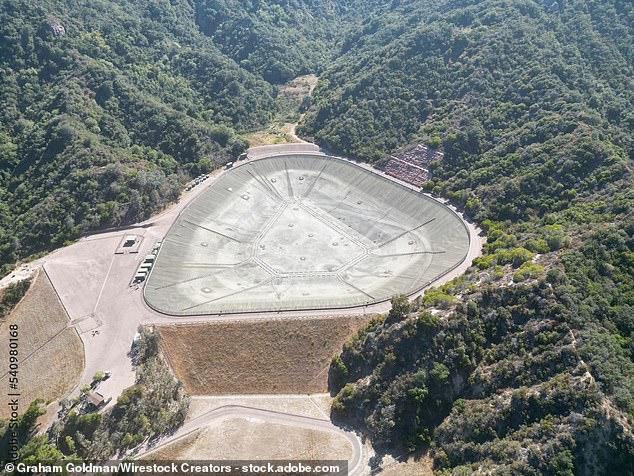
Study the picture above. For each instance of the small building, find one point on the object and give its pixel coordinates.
(95, 399)
(130, 240)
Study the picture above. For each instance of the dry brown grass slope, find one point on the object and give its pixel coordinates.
(248, 439)
(51, 354)
(282, 356)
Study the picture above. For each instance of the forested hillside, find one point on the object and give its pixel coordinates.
(105, 106)
(108, 107)
(282, 39)
(105, 109)
(526, 364)
(277, 40)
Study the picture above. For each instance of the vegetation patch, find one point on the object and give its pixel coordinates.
(293, 99)
(11, 295)
(544, 363)
(277, 133)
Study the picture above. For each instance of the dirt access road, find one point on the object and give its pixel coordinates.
(355, 466)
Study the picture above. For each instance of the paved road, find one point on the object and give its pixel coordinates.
(241, 411)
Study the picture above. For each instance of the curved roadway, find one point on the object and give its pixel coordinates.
(242, 411)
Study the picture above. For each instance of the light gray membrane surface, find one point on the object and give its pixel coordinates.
(302, 232)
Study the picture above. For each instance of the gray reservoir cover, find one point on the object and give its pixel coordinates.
(301, 232)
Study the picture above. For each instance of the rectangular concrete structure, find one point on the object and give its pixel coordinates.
(299, 232)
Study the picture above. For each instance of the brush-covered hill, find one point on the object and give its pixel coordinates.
(281, 40)
(278, 40)
(108, 106)
(525, 365)
(105, 108)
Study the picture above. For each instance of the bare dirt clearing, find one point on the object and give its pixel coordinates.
(281, 131)
(414, 466)
(262, 427)
(299, 88)
(252, 357)
(242, 438)
(51, 353)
